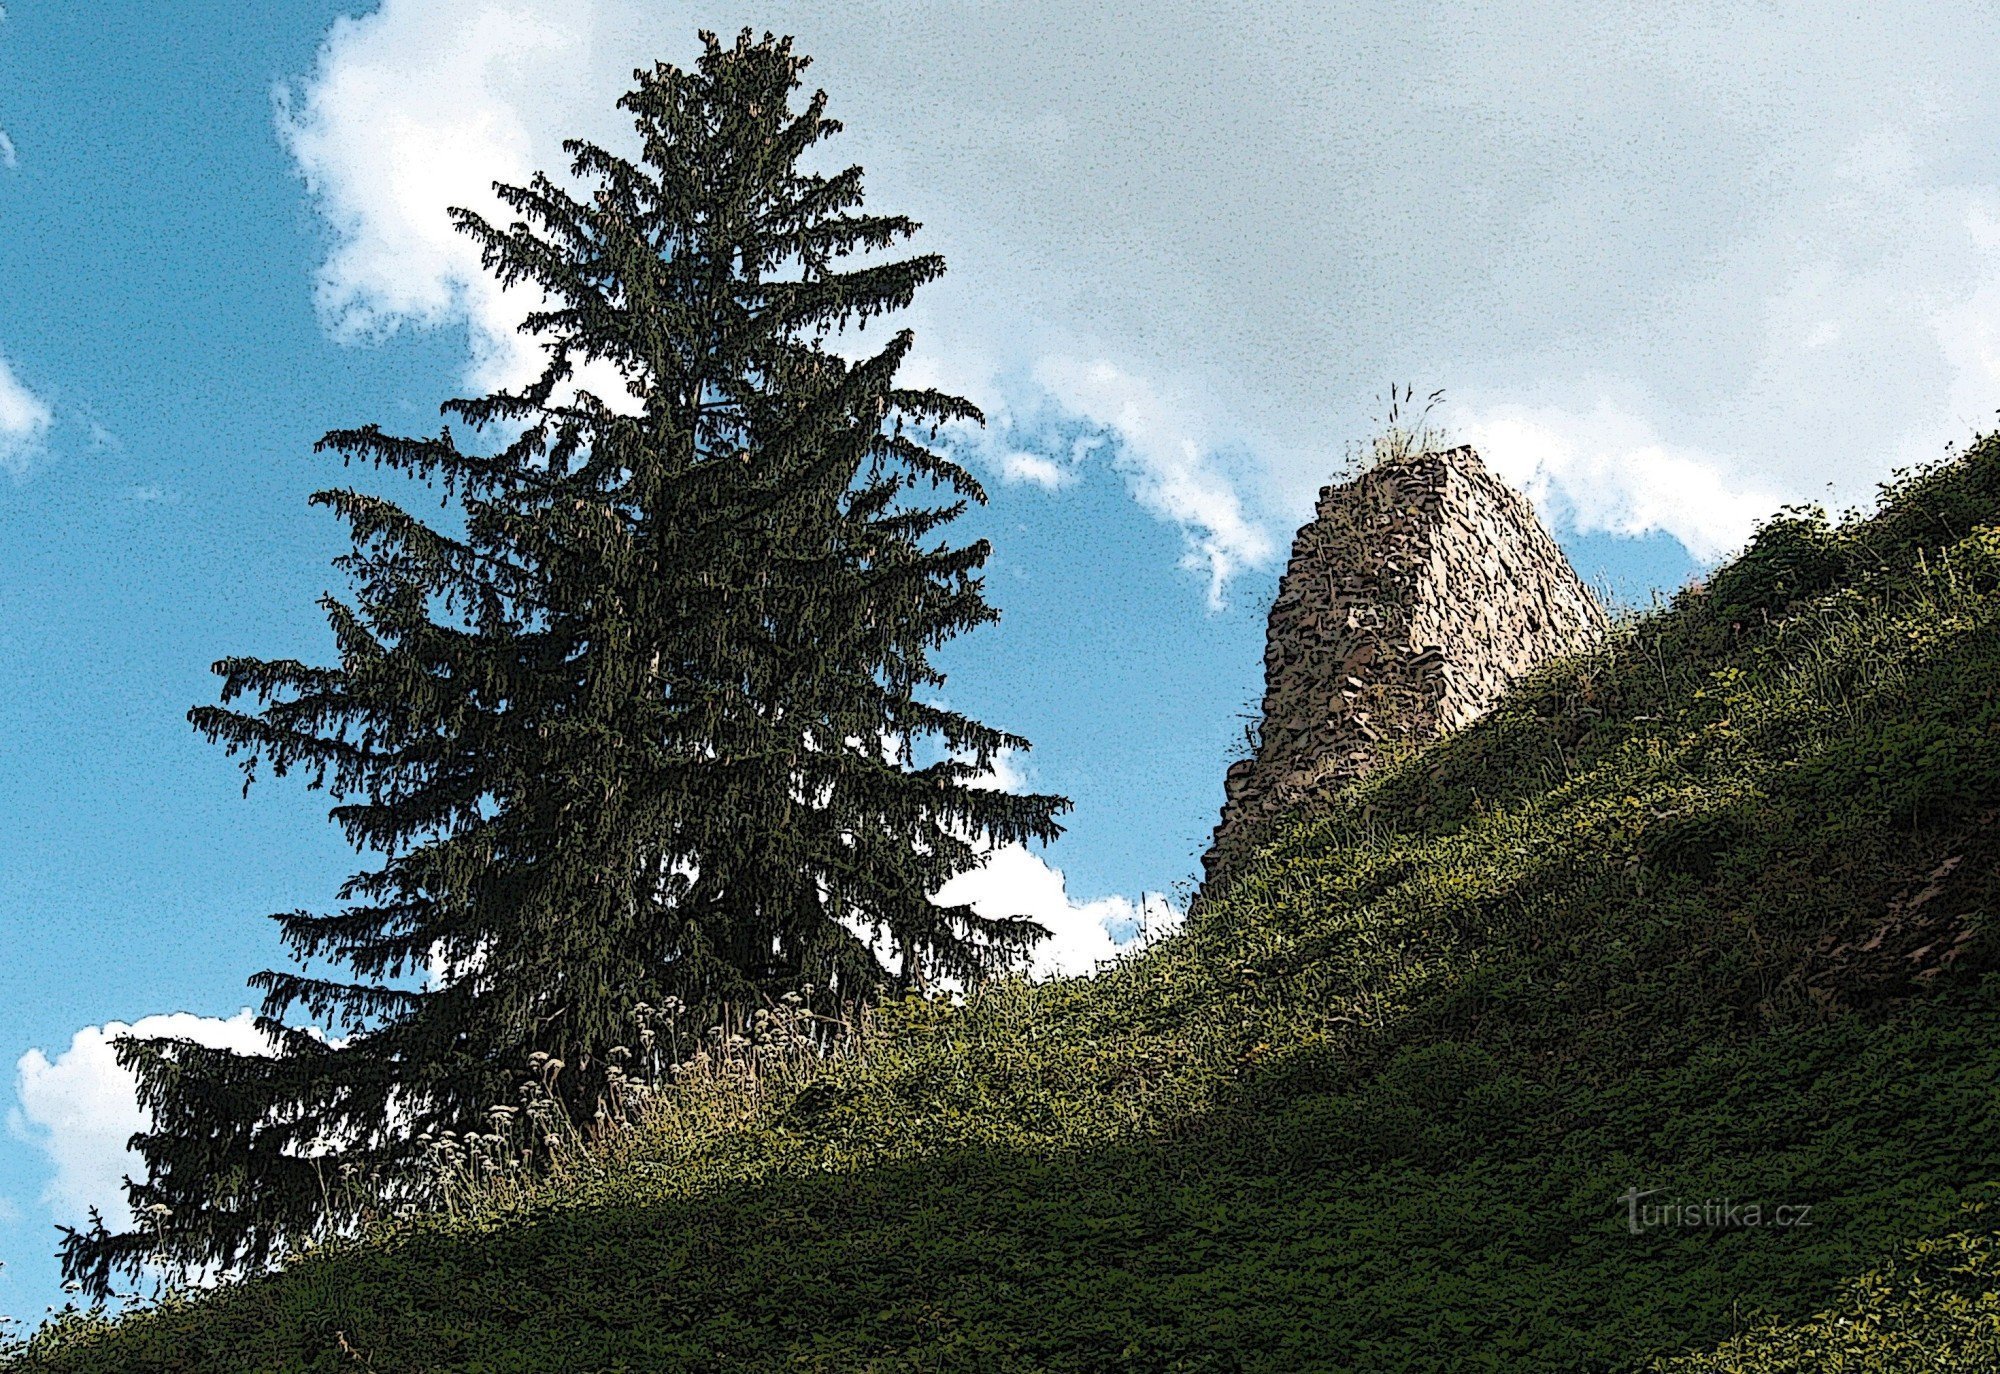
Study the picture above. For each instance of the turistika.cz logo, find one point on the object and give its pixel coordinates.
(1713, 1213)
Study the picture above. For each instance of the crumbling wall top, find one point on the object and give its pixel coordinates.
(1419, 590)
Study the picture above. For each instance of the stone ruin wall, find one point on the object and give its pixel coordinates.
(1418, 591)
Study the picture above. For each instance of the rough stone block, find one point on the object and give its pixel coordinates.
(1415, 595)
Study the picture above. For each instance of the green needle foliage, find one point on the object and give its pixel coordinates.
(649, 725)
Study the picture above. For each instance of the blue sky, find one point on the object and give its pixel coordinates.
(1671, 275)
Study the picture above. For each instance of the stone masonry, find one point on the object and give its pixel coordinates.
(1418, 591)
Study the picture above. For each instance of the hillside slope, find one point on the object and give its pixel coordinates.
(1709, 912)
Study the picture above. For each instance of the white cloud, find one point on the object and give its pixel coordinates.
(1174, 473)
(1035, 470)
(9, 157)
(1810, 359)
(1606, 470)
(1083, 935)
(417, 108)
(1242, 220)
(1004, 773)
(412, 111)
(1014, 881)
(24, 421)
(1968, 327)
(80, 1108)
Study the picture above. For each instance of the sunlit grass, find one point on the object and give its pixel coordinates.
(1708, 912)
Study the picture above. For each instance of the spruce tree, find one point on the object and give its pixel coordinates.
(648, 720)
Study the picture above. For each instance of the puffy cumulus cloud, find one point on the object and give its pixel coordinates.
(1014, 881)
(1082, 935)
(80, 1108)
(1866, 341)
(24, 421)
(415, 110)
(1245, 219)
(1606, 470)
(385, 158)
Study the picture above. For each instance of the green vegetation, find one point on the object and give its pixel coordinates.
(1709, 913)
(1933, 1308)
(650, 722)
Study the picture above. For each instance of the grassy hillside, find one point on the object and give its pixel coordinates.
(1709, 913)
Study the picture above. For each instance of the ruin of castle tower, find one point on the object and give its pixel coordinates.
(1417, 592)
